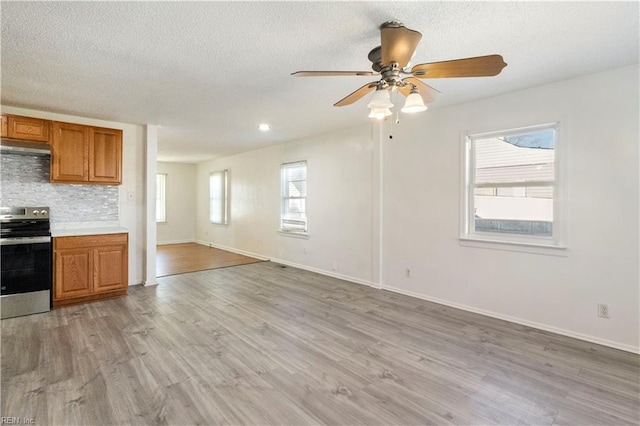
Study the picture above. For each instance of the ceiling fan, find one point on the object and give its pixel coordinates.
(390, 61)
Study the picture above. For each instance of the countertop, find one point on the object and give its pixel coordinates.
(72, 232)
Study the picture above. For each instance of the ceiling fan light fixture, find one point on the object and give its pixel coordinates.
(414, 103)
(380, 100)
(380, 113)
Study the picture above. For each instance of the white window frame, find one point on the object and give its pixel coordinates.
(293, 232)
(161, 186)
(224, 198)
(556, 244)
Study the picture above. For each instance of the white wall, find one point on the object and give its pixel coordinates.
(131, 214)
(180, 199)
(600, 116)
(339, 204)
(419, 209)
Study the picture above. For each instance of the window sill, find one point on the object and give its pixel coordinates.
(226, 225)
(303, 235)
(522, 247)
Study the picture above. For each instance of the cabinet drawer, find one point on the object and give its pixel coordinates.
(81, 241)
(26, 128)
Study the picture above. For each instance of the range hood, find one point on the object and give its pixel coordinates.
(14, 146)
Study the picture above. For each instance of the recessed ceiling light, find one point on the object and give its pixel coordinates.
(264, 127)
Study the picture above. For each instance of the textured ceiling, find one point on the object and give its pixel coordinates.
(209, 72)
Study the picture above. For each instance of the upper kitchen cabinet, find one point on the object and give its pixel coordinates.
(105, 156)
(86, 154)
(25, 128)
(70, 153)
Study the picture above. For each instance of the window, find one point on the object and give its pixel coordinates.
(511, 186)
(293, 212)
(161, 210)
(218, 185)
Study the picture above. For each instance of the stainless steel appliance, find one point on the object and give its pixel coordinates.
(25, 263)
(13, 146)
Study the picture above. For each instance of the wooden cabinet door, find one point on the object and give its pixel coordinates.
(105, 155)
(26, 128)
(69, 153)
(110, 268)
(5, 127)
(73, 273)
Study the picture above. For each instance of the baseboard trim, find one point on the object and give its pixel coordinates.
(233, 250)
(162, 243)
(292, 264)
(516, 320)
(323, 272)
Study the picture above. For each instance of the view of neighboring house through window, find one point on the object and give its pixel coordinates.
(161, 210)
(293, 212)
(512, 184)
(218, 188)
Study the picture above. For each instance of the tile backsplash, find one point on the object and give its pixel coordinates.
(24, 181)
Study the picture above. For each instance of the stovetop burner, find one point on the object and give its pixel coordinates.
(20, 222)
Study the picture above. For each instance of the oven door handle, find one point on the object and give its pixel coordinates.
(27, 240)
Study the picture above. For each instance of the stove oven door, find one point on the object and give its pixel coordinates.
(25, 267)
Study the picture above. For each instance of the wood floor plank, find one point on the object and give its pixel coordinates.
(172, 259)
(267, 344)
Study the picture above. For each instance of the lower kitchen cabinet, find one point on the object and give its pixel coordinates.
(89, 267)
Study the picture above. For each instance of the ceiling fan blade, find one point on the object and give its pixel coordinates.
(351, 98)
(330, 73)
(428, 93)
(398, 44)
(481, 66)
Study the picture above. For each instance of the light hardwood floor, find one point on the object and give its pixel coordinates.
(174, 259)
(265, 344)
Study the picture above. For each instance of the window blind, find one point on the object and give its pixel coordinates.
(293, 212)
(161, 211)
(218, 184)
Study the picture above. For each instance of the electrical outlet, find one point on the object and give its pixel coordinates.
(603, 310)
(407, 272)
(304, 250)
(334, 266)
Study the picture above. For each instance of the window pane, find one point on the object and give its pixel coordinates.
(527, 157)
(514, 210)
(218, 197)
(293, 179)
(160, 198)
(295, 208)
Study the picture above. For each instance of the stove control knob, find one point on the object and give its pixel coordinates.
(43, 212)
(35, 212)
